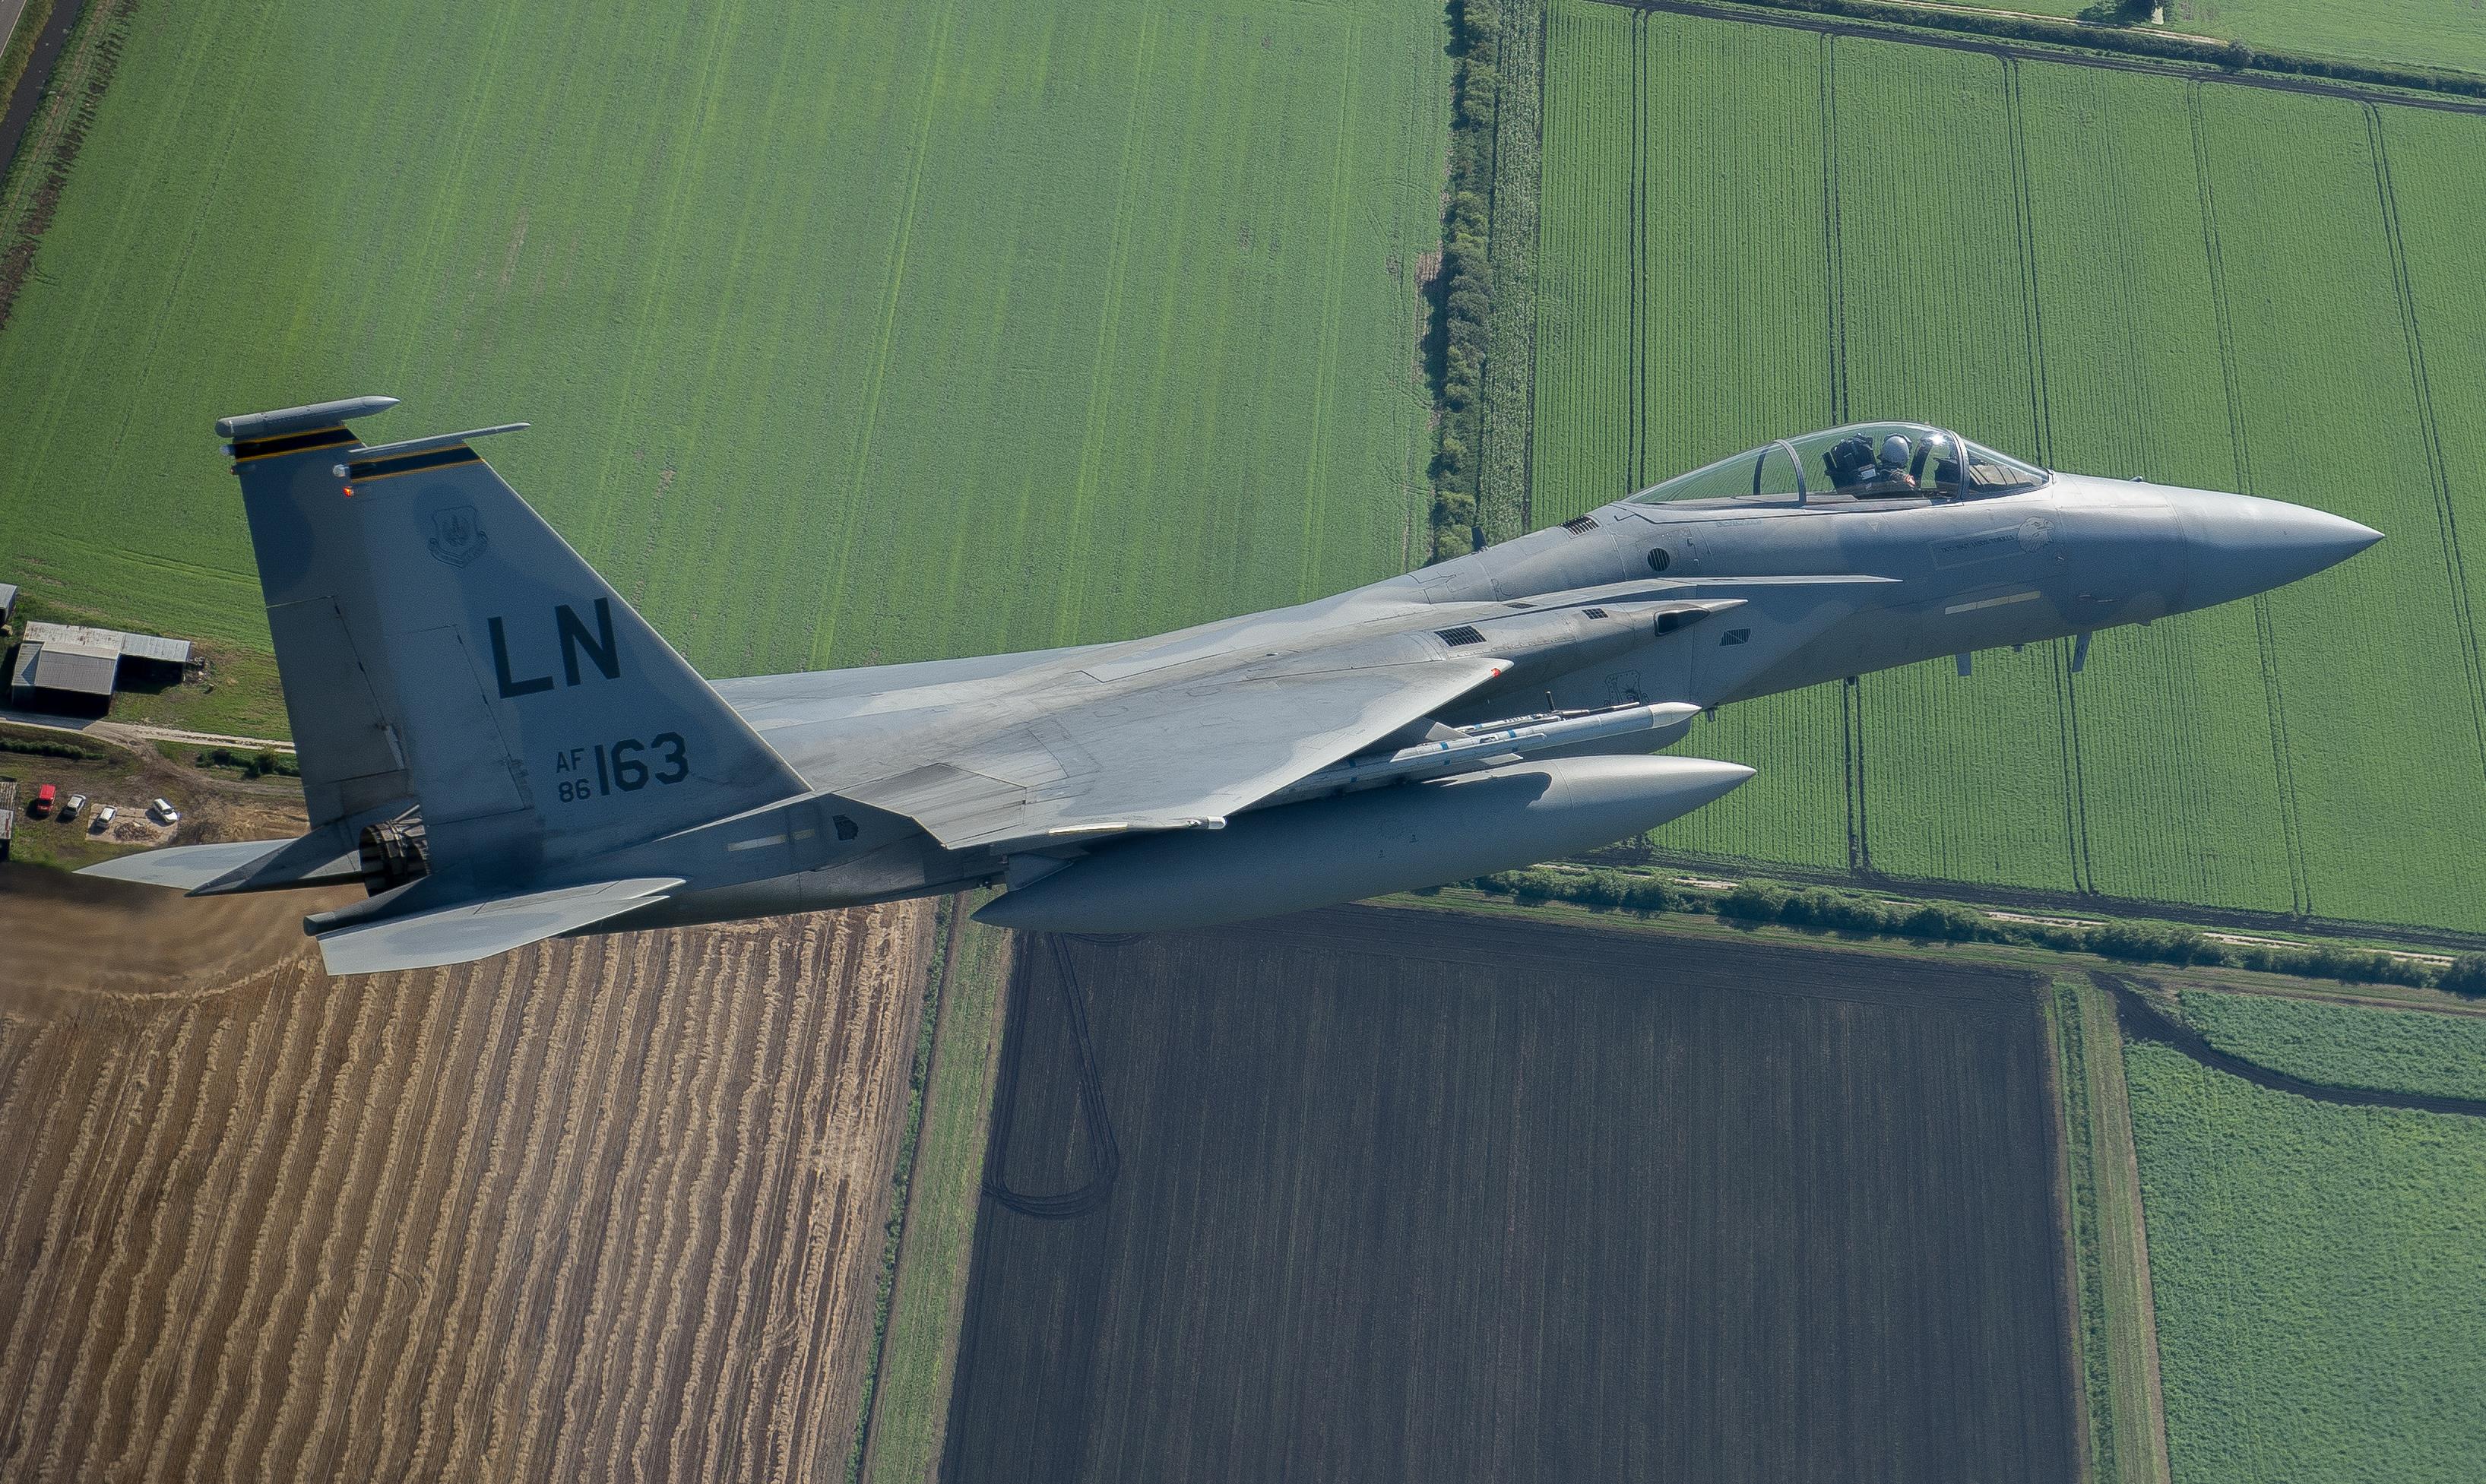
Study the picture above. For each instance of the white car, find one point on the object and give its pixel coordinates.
(103, 819)
(70, 810)
(165, 811)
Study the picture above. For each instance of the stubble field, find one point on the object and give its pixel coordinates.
(1416, 1195)
(1754, 230)
(601, 1208)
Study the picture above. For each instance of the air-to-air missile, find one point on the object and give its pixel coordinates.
(498, 748)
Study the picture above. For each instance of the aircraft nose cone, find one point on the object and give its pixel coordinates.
(2238, 545)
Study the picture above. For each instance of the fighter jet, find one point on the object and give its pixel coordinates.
(500, 750)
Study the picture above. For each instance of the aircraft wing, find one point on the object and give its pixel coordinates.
(472, 930)
(1180, 754)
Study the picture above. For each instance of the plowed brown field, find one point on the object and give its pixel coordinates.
(602, 1208)
(1418, 1195)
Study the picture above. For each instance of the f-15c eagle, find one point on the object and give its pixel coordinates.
(501, 750)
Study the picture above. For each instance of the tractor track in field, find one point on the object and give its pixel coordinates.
(1106, 1155)
(2142, 1021)
(2041, 413)
(1636, 449)
(2265, 631)
(2065, 54)
(2438, 476)
(1833, 265)
(1851, 748)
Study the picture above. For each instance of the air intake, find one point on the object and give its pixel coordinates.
(1464, 634)
(1581, 525)
(1592, 613)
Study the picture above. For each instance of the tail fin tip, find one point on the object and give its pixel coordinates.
(250, 426)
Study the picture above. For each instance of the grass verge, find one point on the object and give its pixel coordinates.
(908, 1402)
(2118, 1352)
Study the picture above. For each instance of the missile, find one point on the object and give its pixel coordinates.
(1482, 747)
(1325, 851)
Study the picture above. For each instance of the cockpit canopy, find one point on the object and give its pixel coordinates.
(1860, 461)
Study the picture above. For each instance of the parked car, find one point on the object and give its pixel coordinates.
(103, 819)
(165, 811)
(43, 804)
(70, 810)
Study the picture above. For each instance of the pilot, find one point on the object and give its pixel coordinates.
(1891, 475)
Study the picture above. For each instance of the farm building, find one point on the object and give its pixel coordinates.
(64, 667)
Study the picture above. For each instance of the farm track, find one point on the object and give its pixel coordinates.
(605, 1206)
(1424, 1195)
(2070, 56)
(2142, 1021)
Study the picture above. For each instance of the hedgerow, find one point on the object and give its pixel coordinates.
(1825, 909)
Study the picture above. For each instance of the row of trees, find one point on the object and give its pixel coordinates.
(1823, 908)
(1466, 282)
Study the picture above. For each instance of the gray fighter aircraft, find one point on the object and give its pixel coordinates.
(500, 750)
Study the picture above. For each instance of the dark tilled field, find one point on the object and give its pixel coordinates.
(1416, 1195)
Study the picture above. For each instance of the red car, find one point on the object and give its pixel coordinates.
(43, 804)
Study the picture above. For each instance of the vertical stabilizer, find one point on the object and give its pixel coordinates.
(440, 644)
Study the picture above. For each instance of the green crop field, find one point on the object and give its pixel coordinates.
(2430, 33)
(850, 332)
(2320, 1280)
(2347, 1046)
(1752, 231)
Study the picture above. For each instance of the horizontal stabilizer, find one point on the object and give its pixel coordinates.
(462, 934)
(185, 867)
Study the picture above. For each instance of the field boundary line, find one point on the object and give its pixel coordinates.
(1929, 32)
(2437, 473)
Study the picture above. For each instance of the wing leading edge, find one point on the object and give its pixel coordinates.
(1181, 755)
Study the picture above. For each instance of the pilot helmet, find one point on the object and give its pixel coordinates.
(1895, 450)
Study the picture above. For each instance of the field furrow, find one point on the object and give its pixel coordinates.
(146, 1317)
(348, 1290)
(527, 1351)
(305, 1227)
